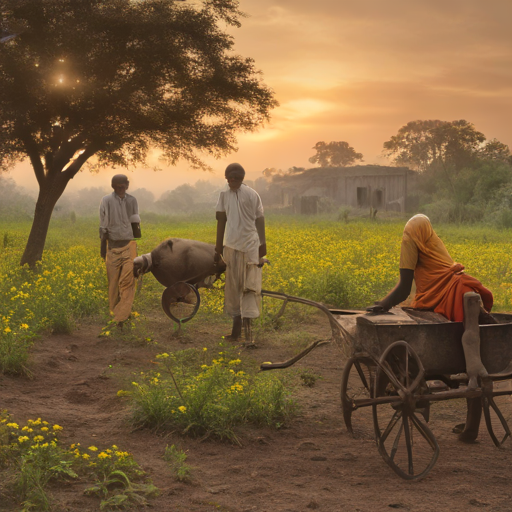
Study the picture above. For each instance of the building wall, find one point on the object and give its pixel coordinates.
(383, 188)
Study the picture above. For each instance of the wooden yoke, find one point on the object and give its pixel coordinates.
(471, 339)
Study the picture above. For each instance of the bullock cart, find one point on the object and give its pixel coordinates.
(400, 363)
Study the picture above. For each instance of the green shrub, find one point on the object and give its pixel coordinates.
(208, 400)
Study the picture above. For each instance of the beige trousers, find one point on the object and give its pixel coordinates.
(121, 282)
(242, 291)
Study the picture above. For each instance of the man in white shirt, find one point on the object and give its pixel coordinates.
(119, 225)
(241, 243)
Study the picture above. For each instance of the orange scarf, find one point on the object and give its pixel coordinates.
(440, 282)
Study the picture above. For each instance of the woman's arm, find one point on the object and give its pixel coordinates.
(398, 294)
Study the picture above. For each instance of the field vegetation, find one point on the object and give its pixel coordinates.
(347, 265)
(202, 391)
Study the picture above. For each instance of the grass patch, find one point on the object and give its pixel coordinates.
(31, 457)
(175, 458)
(199, 393)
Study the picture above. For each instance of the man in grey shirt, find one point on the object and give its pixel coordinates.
(119, 225)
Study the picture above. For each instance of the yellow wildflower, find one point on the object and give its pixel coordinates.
(182, 409)
(93, 448)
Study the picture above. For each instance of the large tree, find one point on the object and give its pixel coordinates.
(441, 144)
(106, 80)
(334, 154)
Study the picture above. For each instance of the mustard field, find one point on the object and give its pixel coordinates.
(346, 265)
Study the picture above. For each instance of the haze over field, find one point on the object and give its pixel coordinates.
(357, 71)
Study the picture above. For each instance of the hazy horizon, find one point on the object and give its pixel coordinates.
(355, 72)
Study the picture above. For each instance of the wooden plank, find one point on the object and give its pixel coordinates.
(395, 316)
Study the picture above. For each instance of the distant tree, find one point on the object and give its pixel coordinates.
(110, 79)
(145, 199)
(423, 144)
(179, 200)
(270, 172)
(295, 170)
(496, 150)
(334, 154)
(14, 201)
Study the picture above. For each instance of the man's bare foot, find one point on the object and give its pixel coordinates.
(230, 337)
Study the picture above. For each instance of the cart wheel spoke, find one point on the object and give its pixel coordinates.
(498, 414)
(404, 441)
(394, 449)
(180, 302)
(356, 382)
(361, 374)
(391, 425)
(408, 443)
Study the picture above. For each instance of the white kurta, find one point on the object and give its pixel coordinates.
(242, 293)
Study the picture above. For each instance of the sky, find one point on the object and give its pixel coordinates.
(356, 71)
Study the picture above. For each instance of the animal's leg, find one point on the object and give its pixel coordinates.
(471, 339)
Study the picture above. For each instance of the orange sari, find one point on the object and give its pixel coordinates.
(440, 282)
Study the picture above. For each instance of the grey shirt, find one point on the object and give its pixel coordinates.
(115, 216)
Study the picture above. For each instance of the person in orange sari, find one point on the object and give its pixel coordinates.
(441, 285)
(440, 282)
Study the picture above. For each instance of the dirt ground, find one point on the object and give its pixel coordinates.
(311, 464)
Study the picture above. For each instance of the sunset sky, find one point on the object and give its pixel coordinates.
(357, 71)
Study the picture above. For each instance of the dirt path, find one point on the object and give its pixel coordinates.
(312, 464)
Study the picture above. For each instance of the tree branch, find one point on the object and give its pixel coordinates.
(35, 159)
(80, 160)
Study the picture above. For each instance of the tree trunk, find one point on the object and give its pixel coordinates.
(49, 194)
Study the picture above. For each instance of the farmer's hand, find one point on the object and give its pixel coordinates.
(103, 249)
(377, 309)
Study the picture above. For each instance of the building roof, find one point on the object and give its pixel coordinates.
(321, 173)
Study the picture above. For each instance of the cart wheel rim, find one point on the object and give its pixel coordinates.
(181, 302)
(356, 392)
(403, 439)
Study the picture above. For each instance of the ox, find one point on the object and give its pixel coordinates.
(176, 261)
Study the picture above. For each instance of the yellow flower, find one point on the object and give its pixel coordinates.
(24, 326)
(57, 427)
(7, 330)
(22, 439)
(44, 429)
(182, 408)
(12, 425)
(103, 455)
(38, 438)
(204, 349)
(93, 448)
(86, 456)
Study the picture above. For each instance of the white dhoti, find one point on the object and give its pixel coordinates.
(242, 292)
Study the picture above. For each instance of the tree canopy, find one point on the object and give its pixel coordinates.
(111, 79)
(423, 144)
(334, 154)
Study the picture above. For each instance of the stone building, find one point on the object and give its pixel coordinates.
(362, 186)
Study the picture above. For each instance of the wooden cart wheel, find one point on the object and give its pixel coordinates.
(180, 302)
(403, 438)
(498, 411)
(356, 389)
